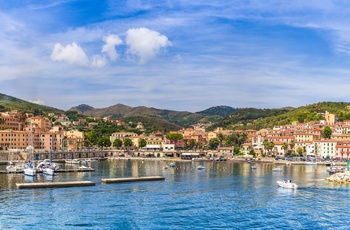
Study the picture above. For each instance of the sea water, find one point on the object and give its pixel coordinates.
(224, 195)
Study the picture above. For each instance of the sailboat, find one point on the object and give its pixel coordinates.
(47, 167)
(30, 170)
(14, 166)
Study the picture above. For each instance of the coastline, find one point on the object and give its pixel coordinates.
(235, 160)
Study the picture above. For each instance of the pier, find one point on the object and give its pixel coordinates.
(55, 184)
(131, 179)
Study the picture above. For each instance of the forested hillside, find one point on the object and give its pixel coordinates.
(251, 118)
(8, 103)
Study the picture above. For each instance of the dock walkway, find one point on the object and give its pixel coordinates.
(131, 179)
(55, 184)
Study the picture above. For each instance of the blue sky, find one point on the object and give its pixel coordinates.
(175, 54)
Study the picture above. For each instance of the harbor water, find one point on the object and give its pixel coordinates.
(223, 195)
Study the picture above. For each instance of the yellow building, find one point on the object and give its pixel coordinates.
(330, 118)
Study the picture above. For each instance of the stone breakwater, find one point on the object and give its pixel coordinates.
(340, 178)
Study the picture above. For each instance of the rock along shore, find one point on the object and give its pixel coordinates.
(339, 178)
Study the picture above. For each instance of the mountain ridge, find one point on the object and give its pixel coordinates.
(182, 118)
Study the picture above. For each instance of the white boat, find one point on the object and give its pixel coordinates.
(47, 167)
(172, 165)
(200, 167)
(277, 169)
(15, 167)
(48, 171)
(30, 170)
(84, 167)
(287, 184)
(72, 161)
(335, 169)
(166, 167)
(253, 167)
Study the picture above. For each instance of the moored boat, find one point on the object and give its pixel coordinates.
(200, 167)
(30, 170)
(277, 169)
(72, 161)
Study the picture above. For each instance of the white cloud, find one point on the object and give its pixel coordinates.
(109, 48)
(72, 54)
(98, 61)
(145, 44)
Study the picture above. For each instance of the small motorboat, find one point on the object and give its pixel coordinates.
(253, 167)
(72, 161)
(172, 165)
(200, 167)
(287, 184)
(166, 167)
(84, 167)
(277, 169)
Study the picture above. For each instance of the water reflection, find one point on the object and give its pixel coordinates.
(29, 179)
(303, 175)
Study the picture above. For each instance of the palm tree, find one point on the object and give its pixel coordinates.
(271, 145)
(221, 138)
(266, 145)
(284, 147)
(292, 144)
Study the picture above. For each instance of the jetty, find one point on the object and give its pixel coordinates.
(55, 184)
(339, 178)
(131, 179)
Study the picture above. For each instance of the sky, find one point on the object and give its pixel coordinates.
(175, 54)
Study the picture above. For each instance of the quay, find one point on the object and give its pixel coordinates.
(58, 171)
(55, 184)
(131, 179)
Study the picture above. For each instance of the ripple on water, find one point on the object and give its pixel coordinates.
(223, 196)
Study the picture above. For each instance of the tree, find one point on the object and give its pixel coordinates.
(270, 146)
(104, 142)
(300, 151)
(142, 143)
(285, 147)
(175, 138)
(191, 144)
(117, 143)
(292, 144)
(265, 144)
(327, 132)
(221, 138)
(214, 143)
(127, 142)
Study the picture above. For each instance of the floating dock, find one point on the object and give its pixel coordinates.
(131, 179)
(55, 184)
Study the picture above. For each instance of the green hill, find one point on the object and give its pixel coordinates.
(8, 103)
(251, 118)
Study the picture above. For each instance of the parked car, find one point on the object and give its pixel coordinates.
(289, 158)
